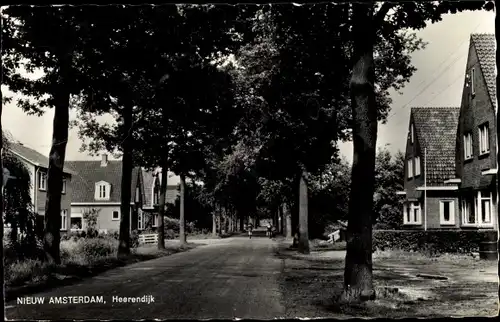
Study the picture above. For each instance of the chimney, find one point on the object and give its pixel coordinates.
(104, 160)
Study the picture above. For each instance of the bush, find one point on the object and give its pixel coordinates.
(431, 241)
(134, 239)
(87, 251)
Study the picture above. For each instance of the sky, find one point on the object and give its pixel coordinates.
(438, 81)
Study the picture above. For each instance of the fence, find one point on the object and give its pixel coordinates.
(148, 239)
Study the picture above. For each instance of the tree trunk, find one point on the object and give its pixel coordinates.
(214, 225)
(57, 154)
(288, 219)
(2, 303)
(303, 214)
(163, 198)
(242, 221)
(358, 278)
(125, 197)
(182, 218)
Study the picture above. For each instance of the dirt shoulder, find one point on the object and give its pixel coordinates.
(448, 286)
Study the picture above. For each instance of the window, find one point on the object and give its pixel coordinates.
(76, 221)
(116, 215)
(137, 194)
(63, 186)
(412, 213)
(156, 198)
(410, 168)
(484, 207)
(42, 181)
(102, 190)
(140, 220)
(472, 83)
(484, 139)
(468, 146)
(447, 212)
(417, 166)
(64, 219)
(468, 212)
(155, 220)
(412, 133)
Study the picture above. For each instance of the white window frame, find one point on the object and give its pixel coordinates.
(484, 139)
(466, 210)
(487, 196)
(76, 215)
(63, 190)
(410, 168)
(472, 83)
(468, 150)
(42, 181)
(113, 215)
(452, 212)
(412, 207)
(155, 220)
(140, 219)
(417, 166)
(64, 219)
(103, 190)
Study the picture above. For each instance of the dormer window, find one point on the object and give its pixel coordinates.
(102, 190)
(137, 194)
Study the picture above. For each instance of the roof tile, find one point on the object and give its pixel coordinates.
(486, 53)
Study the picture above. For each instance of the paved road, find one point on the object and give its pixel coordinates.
(235, 278)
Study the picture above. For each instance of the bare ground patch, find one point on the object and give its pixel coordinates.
(311, 282)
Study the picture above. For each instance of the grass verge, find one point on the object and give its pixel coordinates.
(312, 283)
(80, 259)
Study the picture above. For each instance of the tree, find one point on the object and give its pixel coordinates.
(51, 40)
(372, 25)
(389, 175)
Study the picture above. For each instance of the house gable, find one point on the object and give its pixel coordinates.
(477, 109)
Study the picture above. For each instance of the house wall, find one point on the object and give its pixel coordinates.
(433, 209)
(475, 110)
(41, 196)
(413, 150)
(105, 219)
(31, 170)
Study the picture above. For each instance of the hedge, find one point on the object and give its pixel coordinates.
(436, 241)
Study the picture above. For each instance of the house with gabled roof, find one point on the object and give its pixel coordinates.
(37, 165)
(431, 200)
(476, 148)
(97, 185)
(150, 183)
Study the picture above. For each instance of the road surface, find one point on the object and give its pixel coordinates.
(234, 278)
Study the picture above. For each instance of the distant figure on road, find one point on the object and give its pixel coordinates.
(268, 233)
(250, 229)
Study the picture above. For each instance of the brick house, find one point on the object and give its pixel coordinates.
(97, 184)
(476, 145)
(431, 200)
(37, 165)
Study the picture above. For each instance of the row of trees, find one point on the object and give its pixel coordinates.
(253, 130)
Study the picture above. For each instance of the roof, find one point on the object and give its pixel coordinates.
(486, 53)
(34, 157)
(436, 130)
(90, 172)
